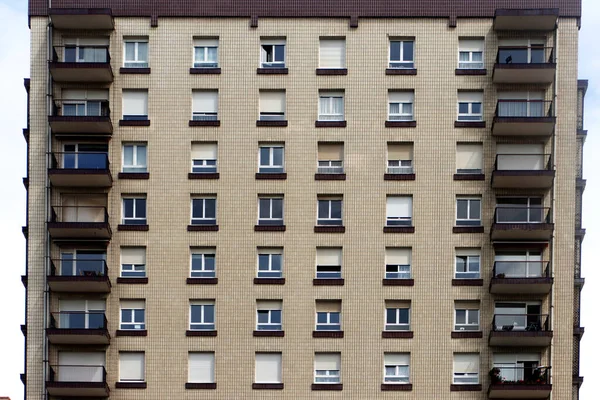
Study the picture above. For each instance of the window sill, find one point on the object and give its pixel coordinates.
(398, 229)
(397, 334)
(399, 177)
(134, 175)
(139, 332)
(272, 71)
(268, 333)
(269, 228)
(131, 385)
(195, 175)
(332, 71)
(133, 281)
(467, 229)
(202, 281)
(203, 228)
(327, 386)
(330, 124)
(467, 282)
(401, 71)
(469, 124)
(328, 282)
(269, 281)
(330, 177)
(133, 122)
(330, 229)
(205, 71)
(465, 388)
(134, 228)
(467, 335)
(469, 177)
(402, 387)
(398, 282)
(200, 385)
(328, 334)
(269, 176)
(201, 333)
(204, 123)
(141, 71)
(470, 72)
(400, 124)
(267, 386)
(280, 123)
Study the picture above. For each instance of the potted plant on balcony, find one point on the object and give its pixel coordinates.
(495, 375)
(501, 276)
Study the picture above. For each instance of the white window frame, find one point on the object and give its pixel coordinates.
(135, 63)
(400, 325)
(469, 116)
(205, 63)
(402, 63)
(204, 220)
(123, 323)
(204, 273)
(202, 325)
(327, 376)
(329, 99)
(404, 221)
(143, 378)
(133, 267)
(275, 63)
(467, 221)
(275, 168)
(460, 275)
(270, 218)
(270, 325)
(471, 378)
(328, 323)
(467, 326)
(134, 218)
(398, 378)
(134, 168)
(270, 269)
(329, 220)
(401, 99)
(470, 64)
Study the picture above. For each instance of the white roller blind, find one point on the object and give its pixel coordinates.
(133, 255)
(466, 304)
(521, 42)
(469, 156)
(470, 44)
(399, 206)
(520, 149)
(502, 358)
(328, 306)
(327, 256)
(202, 302)
(268, 368)
(204, 151)
(272, 101)
(331, 151)
(81, 358)
(468, 252)
(133, 304)
(398, 151)
(466, 363)
(77, 94)
(201, 367)
(396, 358)
(135, 102)
(332, 53)
(273, 41)
(327, 361)
(206, 42)
(397, 256)
(265, 250)
(404, 96)
(72, 305)
(268, 304)
(131, 366)
(203, 250)
(71, 370)
(205, 101)
(397, 304)
(470, 97)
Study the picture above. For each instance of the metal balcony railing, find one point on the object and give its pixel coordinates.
(81, 54)
(524, 108)
(97, 214)
(521, 215)
(77, 373)
(78, 320)
(525, 55)
(79, 160)
(523, 162)
(330, 170)
(520, 323)
(521, 269)
(78, 267)
(80, 108)
(400, 170)
(272, 117)
(509, 374)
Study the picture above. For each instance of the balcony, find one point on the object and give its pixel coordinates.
(79, 222)
(520, 383)
(80, 169)
(520, 330)
(77, 381)
(76, 64)
(82, 18)
(525, 65)
(78, 328)
(521, 277)
(523, 171)
(522, 223)
(541, 19)
(399, 173)
(81, 117)
(79, 276)
(524, 118)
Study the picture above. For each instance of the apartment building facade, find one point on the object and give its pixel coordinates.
(355, 200)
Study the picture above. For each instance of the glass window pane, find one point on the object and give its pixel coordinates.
(463, 108)
(407, 108)
(262, 316)
(276, 262)
(140, 208)
(461, 316)
(210, 208)
(128, 155)
(199, 54)
(278, 156)
(209, 262)
(461, 263)
(128, 208)
(263, 262)
(476, 108)
(209, 314)
(323, 209)
(463, 56)
(390, 315)
(394, 51)
(196, 313)
(334, 317)
(477, 56)
(141, 155)
(473, 317)
(461, 209)
(277, 205)
(475, 210)
(126, 315)
(403, 315)
(336, 209)
(474, 263)
(212, 54)
(276, 316)
(138, 316)
(321, 317)
(129, 51)
(280, 53)
(142, 51)
(264, 208)
(265, 155)
(408, 51)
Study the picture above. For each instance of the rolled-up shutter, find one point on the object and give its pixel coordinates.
(133, 255)
(466, 363)
(327, 361)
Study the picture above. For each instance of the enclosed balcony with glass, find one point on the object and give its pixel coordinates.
(522, 166)
(82, 60)
(522, 218)
(81, 217)
(79, 271)
(79, 322)
(78, 375)
(519, 376)
(523, 114)
(524, 61)
(82, 112)
(520, 272)
(81, 165)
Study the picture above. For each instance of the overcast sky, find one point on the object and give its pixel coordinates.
(14, 66)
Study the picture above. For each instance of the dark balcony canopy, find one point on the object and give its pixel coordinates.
(538, 19)
(82, 18)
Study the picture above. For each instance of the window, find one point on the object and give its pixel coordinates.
(133, 262)
(204, 211)
(271, 158)
(135, 105)
(329, 211)
(81, 314)
(332, 53)
(268, 315)
(466, 369)
(467, 264)
(330, 158)
(270, 263)
(402, 53)
(523, 51)
(401, 105)
(203, 263)
(518, 316)
(204, 158)
(206, 53)
(468, 211)
(522, 104)
(331, 106)
(135, 158)
(270, 211)
(469, 158)
(328, 316)
(205, 105)
(520, 367)
(470, 106)
(329, 263)
(272, 53)
(400, 158)
(83, 156)
(523, 157)
(79, 366)
(132, 367)
(201, 367)
(136, 53)
(134, 211)
(87, 50)
(202, 315)
(397, 263)
(520, 210)
(470, 53)
(396, 368)
(267, 368)
(133, 315)
(272, 105)
(519, 264)
(84, 103)
(327, 367)
(399, 211)
(466, 316)
(82, 262)
(397, 315)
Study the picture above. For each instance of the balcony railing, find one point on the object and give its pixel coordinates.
(77, 373)
(74, 267)
(271, 117)
(330, 170)
(80, 108)
(521, 269)
(400, 170)
(520, 323)
(509, 375)
(79, 214)
(525, 55)
(521, 215)
(523, 162)
(524, 108)
(80, 160)
(78, 320)
(81, 54)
